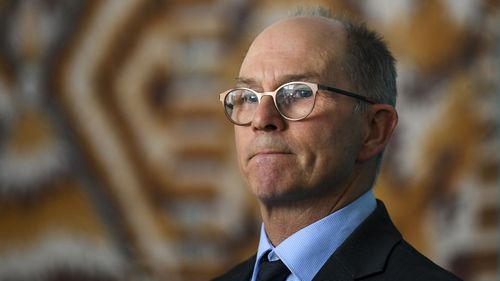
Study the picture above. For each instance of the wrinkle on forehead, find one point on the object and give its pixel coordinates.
(284, 47)
(254, 83)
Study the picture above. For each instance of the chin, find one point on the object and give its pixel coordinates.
(283, 197)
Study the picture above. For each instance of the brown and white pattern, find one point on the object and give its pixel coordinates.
(116, 162)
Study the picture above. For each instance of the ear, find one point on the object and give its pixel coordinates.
(381, 120)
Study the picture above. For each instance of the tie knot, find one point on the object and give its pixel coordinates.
(272, 270)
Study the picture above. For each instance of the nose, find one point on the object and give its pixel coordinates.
(267, 116)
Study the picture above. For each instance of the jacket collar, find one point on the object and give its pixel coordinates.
(366, 251)
(242, 271)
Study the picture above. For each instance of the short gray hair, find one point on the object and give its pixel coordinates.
(368, 63)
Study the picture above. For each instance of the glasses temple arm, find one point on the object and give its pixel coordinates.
(346, 93)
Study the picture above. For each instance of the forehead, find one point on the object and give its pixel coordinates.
(303, 46)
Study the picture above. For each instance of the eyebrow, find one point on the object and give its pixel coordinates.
(304, 77)
(246, 82)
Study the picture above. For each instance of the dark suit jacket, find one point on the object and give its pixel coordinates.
(374, 251)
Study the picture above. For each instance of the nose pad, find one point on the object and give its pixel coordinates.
(267, 117)
(267, 101)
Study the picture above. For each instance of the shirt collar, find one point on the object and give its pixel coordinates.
(307, 250)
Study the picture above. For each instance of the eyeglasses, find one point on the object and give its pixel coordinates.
(293, 100)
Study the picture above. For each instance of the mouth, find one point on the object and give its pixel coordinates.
(269, 153)
(268, 147)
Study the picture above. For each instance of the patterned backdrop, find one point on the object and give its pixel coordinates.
(116, 162)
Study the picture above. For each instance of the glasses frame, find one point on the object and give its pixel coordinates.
(314, 86)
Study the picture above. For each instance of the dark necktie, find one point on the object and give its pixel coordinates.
(272, 270)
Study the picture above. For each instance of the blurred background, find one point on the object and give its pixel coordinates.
(117, 163)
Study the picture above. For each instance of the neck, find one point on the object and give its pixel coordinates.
(283, 220)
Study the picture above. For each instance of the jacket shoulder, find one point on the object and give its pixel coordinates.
(242, 271)
(406, 263)
(377, 251)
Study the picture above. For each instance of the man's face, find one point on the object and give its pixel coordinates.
(285, 161)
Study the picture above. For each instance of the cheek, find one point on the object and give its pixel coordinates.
(241, 140)
(310, 147)
(328, 150)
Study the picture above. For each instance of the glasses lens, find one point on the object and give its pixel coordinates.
(240, 105)
(295, 100)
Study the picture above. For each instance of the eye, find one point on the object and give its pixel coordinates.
(241, 96)
(301, 93)
(293, 93)
(249, 97)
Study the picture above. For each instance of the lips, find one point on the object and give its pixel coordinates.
(268, 152)
(268, 146)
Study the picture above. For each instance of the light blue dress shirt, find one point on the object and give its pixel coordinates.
(307, 250)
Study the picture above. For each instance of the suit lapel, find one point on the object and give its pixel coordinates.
(365, 251)
(241, 272)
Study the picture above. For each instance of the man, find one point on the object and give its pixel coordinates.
(313, 111)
